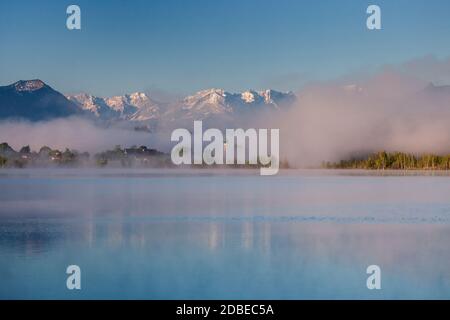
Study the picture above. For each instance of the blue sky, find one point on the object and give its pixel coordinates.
(182, 46)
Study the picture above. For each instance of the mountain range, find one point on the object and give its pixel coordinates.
(205, 104)
(35, 101)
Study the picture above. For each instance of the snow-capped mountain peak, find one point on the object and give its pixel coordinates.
(134, 106)
(29, 85)
(85, 100)
(34, 100)
(210, 100)
(138, 98)
(249, 96)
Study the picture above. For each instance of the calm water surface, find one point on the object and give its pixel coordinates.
(223, 234)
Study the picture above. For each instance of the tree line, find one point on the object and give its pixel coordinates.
(394, 161)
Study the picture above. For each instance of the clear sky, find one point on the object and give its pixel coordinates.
(186, 45)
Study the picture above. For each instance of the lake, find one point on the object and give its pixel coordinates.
(227, 234)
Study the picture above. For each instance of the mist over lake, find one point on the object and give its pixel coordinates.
(211, 234)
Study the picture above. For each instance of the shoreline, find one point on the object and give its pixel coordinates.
(208, 171)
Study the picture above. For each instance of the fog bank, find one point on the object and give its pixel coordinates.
(74, 133)
(393, 110)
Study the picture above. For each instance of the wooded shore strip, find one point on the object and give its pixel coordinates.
(393, 161)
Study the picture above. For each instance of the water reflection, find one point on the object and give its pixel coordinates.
(225, 237)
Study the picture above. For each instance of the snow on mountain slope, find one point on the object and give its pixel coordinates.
(218, 101)
(199, 106)
(97, 106)
(136, 106)
(220, 104)
(207, 101)
(29, 85)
